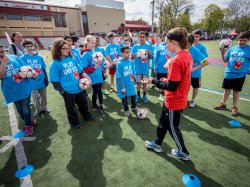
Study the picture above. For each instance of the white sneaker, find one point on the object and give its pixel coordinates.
(127, 113)
(192, 104)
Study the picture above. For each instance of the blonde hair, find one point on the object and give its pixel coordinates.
(88, 39)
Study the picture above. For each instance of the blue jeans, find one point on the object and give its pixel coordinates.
(23, 109)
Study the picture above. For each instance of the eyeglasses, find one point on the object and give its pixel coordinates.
(65, 48)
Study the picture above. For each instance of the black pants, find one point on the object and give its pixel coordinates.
(97, 91)
(169, 121)
(125, 102)
(81, 101)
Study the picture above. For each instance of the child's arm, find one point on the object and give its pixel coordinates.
(169, 85)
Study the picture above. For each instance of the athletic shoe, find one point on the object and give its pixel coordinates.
(37, 114)
(111, 90)
(91, 118)
(145, 99)
(105, 91)
(161, 98)
(127, 113)
(134, 109)
(77, 126)
(220, 106)
(177, 154)
(154, 146)
(46, 111)
(95, 108)
(192, 104)
(138, 98)
(28, 130)
(101, 110)
(234, 111)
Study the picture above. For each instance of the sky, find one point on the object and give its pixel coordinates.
(135, 9)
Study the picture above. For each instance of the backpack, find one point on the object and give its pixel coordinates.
(14, 49)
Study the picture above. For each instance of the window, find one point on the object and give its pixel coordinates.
(31, 18)
(13, 17)
(45, 18)
(1, 16)
(60, 20)
(84, 19)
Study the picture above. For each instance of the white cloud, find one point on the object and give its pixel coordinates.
(135, 9)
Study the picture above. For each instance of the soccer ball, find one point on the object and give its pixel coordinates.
(97, 57)
(106, 64)
(142, 113)
(143, 55)
(26, 72)
(84, 83)
(115, 61)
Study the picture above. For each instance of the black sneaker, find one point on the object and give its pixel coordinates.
(91, 118)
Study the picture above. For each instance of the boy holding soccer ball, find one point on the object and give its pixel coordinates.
(64, 74)
(36, 62)
(125, 80)
(141, 52)
(176, 88)
(16, 89)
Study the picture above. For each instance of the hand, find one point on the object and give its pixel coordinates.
(193, 69)
(164, 79)
(147, 80)
(4, 59)
(148, 52)
(90, 82)
(123, 91)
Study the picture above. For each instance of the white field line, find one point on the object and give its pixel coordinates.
(211, 91)
(19, 149)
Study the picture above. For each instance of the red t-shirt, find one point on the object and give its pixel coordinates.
(179, 70)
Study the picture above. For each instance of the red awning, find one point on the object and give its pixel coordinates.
(132, 26)
(27, 12)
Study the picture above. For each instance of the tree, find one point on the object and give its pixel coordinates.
(171, 11)
(184, 20)
(213, 17)
(238, 14)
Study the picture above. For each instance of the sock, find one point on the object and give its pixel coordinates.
(138, 93)
(144, 94)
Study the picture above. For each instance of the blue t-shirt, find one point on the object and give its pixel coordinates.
(198, 59)
(121, 44)
(125, 71)
(12, 89)
(100, 49)
(113, 50)
(239, 62)
(202, 49)
(66, 71)
(87, 61)
(160, 58)
(141, 67)
(75, 52)
(35, 61)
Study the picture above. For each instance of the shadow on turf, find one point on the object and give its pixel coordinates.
(36, 151)
(213, 118)
(212, 137)
(88, 147)
(188, 167)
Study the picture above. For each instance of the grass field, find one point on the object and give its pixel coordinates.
(111, 151)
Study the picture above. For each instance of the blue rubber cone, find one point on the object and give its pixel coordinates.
(19, 134)
(191, 180)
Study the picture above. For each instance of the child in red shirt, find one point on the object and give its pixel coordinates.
(176, 88)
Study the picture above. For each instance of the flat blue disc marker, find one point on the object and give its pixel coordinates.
(24, 171)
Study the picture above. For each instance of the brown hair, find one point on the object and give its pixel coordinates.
(244, 35)
(13, 35)
(1, 46)
(27, 42)
(179, 35)
(56, 49)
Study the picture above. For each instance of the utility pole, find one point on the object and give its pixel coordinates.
(153, 8)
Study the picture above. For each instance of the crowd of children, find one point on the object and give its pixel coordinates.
(176, 60)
